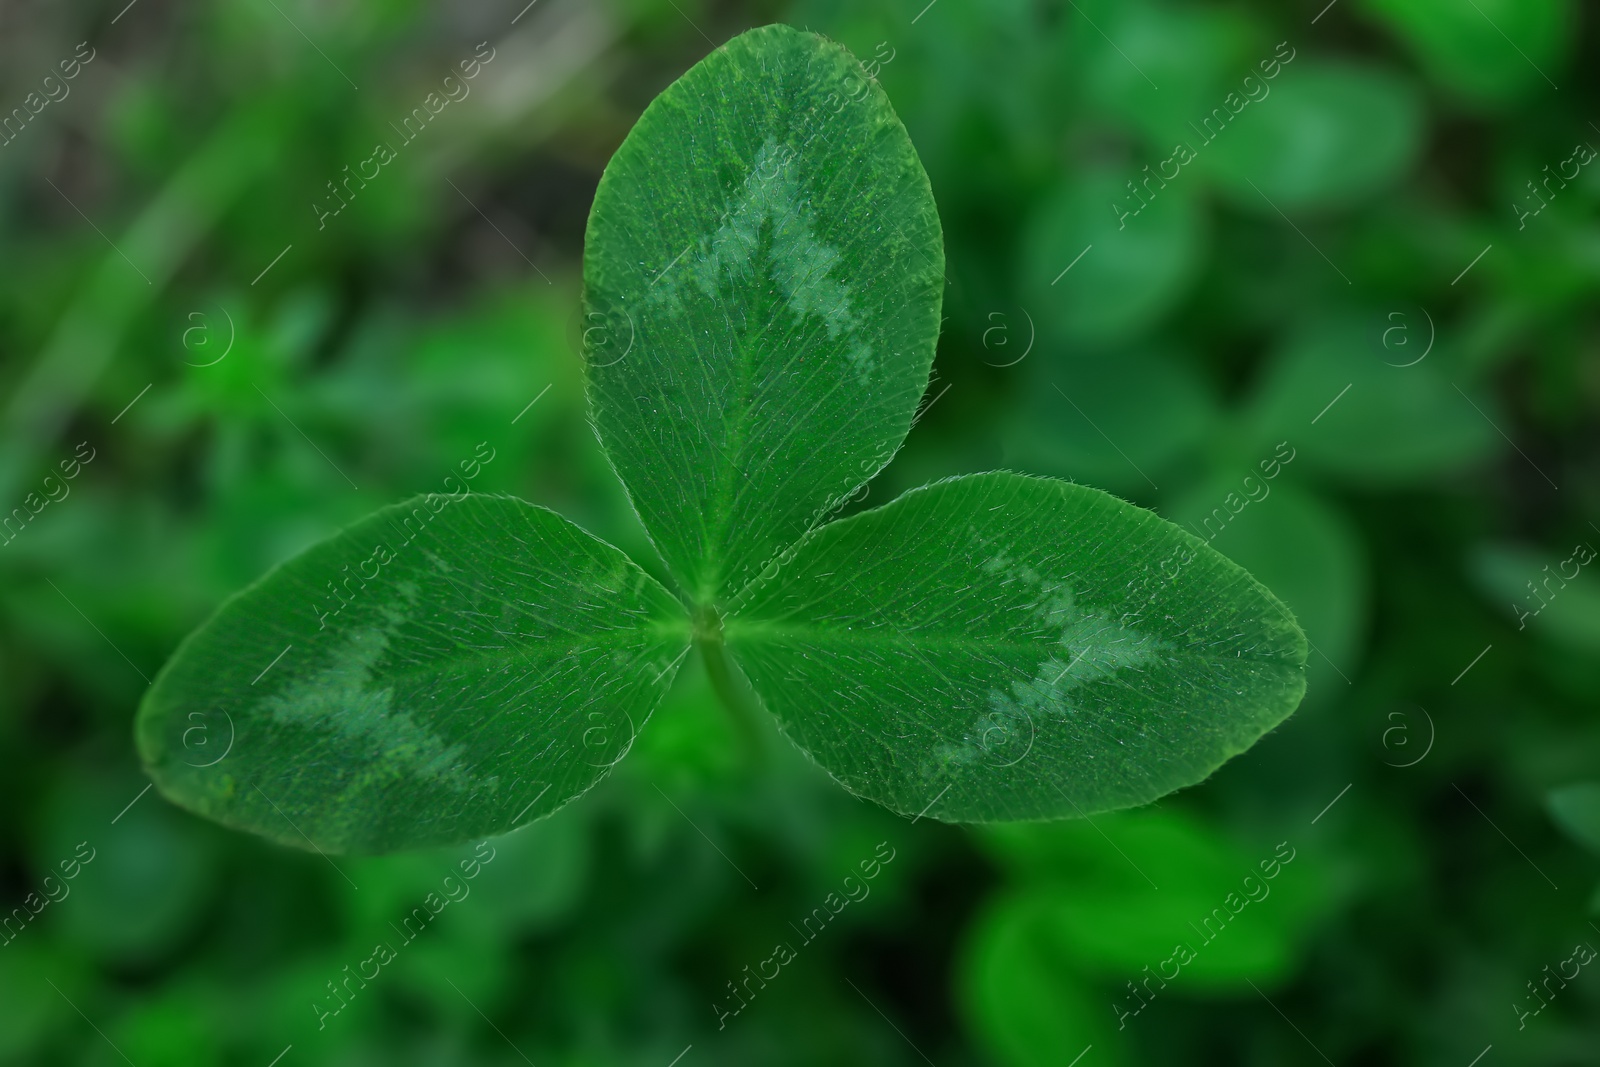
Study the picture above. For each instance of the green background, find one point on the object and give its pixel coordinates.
(1350, 274)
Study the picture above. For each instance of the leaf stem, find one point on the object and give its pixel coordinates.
(733, 691)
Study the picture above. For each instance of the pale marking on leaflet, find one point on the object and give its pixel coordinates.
(798, 261)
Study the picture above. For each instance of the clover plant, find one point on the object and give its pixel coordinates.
(763, 273)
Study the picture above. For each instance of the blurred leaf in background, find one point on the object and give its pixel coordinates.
(1442, 460)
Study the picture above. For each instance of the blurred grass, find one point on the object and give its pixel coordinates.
(1254, 303)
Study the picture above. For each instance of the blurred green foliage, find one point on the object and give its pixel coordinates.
(1350, 267)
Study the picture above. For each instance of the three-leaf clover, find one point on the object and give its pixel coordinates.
(764, 269)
